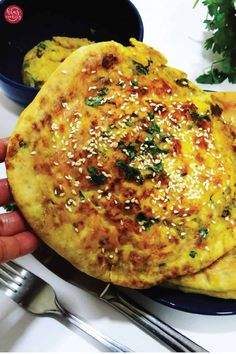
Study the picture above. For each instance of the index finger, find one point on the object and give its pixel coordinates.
(3, 148)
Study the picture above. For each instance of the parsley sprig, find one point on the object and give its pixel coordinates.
(221, 23)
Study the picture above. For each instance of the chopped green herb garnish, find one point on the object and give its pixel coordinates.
(198, 117)
(129, 123)
(142, 69)
(154, 128)
(81, 196)
(134, 83)
(158, 168)
(131, 173)
(121, 83)
(97, 100)
(22, 144)
(203, 232)
(42, 45)
(96, 177)
(182, 82)
(145, 221)
(31, 81)
(103, 91)
(192, 254)
(150, 147)
(10, 207)
(40, 48)
(151, 115)
(128, 149)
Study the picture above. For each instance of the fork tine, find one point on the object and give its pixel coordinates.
(14, 276)
(6, 282)
(10, 274)
(15, 269)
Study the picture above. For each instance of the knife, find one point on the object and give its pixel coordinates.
(113, 296)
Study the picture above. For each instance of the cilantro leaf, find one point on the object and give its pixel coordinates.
(197, 117)
(145, 221)
(128, 149)
(96, 177)
(203, 232)
(97, 100)
(158, 168)
(220, 23)
(131, 173)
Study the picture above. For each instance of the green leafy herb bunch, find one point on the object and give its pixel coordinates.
(221, 23)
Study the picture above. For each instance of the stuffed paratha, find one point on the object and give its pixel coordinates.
(219, 279)
(40, 61)
(220, 276)
(125, 168)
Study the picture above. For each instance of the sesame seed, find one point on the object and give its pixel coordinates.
(70, 155)
(68, 208)
(68, 177)
(65, 105)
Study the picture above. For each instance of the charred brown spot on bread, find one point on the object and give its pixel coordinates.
(36, 127)
(109, 61)
(176, 146)
(47, 120)
(16, 142)
(43, 168)
(216, 110)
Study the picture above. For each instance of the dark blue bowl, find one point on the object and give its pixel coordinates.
(97, 20)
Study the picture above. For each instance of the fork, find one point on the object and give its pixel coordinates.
(39, 298)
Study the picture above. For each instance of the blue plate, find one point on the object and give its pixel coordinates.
(96, 20)
(193, 303)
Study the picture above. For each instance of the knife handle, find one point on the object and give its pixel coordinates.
(151, 324)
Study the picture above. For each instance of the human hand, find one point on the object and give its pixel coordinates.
(16, 239)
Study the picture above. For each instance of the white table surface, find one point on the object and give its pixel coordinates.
(177, 30)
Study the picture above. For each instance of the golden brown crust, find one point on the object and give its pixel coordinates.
(219, 279)
(125, 167)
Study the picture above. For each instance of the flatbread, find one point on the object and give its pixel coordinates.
(125, 168)
(219, 279)
(40, 61)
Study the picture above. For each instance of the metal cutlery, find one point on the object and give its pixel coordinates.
(38, 297)
(113, 296)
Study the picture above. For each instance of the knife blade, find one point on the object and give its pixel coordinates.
(113, 296)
